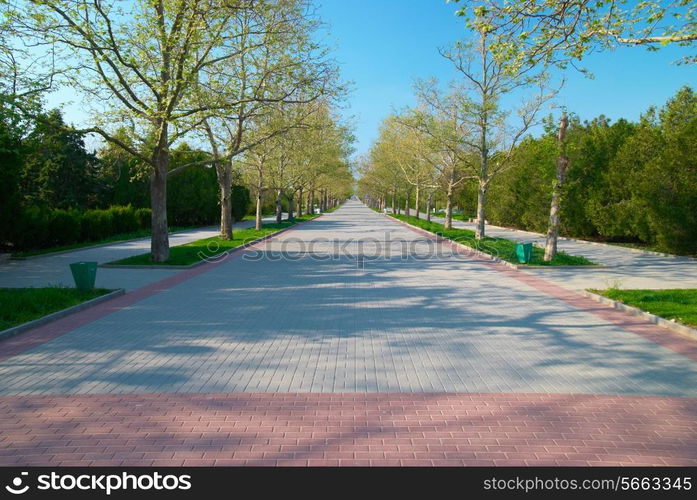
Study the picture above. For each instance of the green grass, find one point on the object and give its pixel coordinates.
(499, 247)
(143, 233)
(196, 251)
(329, 210)
(19, 305)
(674, 304)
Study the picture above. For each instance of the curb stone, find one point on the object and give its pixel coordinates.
(212, 259)
(652, 318)
(29, 325)
(498, 260)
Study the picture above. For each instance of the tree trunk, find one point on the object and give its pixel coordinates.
(394, 201)
(258, 223)
(279, 206)
(449, 207)
(418, 200)
(406, 204)
(429, 203)
(159, 242)
(481, 211)
(555, 207)
(311, 202)
(260, 191)
(291, 207)
(300, 202)
(483, 148)
(483, 182)
(225, 184)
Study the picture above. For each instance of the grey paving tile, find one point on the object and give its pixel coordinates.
(401, 324)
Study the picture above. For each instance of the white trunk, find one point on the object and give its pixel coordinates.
(555, 207)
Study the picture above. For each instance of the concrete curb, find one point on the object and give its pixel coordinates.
(212, 259)
(29, 325)
(497, 260)
(652, 318)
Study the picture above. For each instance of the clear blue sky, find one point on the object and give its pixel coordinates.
(382, 45)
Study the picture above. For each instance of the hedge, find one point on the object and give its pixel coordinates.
(39, 228)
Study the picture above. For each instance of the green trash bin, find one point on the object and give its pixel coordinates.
(84, 274)
(523, 252)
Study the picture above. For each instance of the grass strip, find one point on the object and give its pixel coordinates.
(208, 248)
(499, 247)
(678, 304)
(19, 305)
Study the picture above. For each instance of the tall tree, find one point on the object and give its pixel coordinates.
(486, 80)
(565, 31)
(139, 60)
(442, 118)
(277, 63)
(528, 34)
(58, 171)
(555, 208)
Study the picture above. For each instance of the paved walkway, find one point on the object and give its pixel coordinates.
(631, 268)
(292, 352)
(52, 270)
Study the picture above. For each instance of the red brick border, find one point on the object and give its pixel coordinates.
(348, 429)
(650, 331)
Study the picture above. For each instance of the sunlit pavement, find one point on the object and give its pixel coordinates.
(300, 352)
(54, 269)
(618, 266)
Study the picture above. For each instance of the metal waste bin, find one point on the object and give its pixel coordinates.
(524, 252)
(84, 274)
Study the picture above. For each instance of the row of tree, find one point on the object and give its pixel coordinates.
(626, 182)
(245, 83)
(464, 140)
(46, 166)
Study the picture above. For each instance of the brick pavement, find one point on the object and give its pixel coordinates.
(348, 429)
(522, 364)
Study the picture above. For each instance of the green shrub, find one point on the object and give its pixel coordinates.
(64, 227)
(96, 225)
(240, 202)
(38, 227)
(32, 230)
(144, 218)
(123, 219)
(192, 197)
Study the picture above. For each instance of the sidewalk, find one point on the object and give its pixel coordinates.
(631, 268)
(304, 360)
(50, 270)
